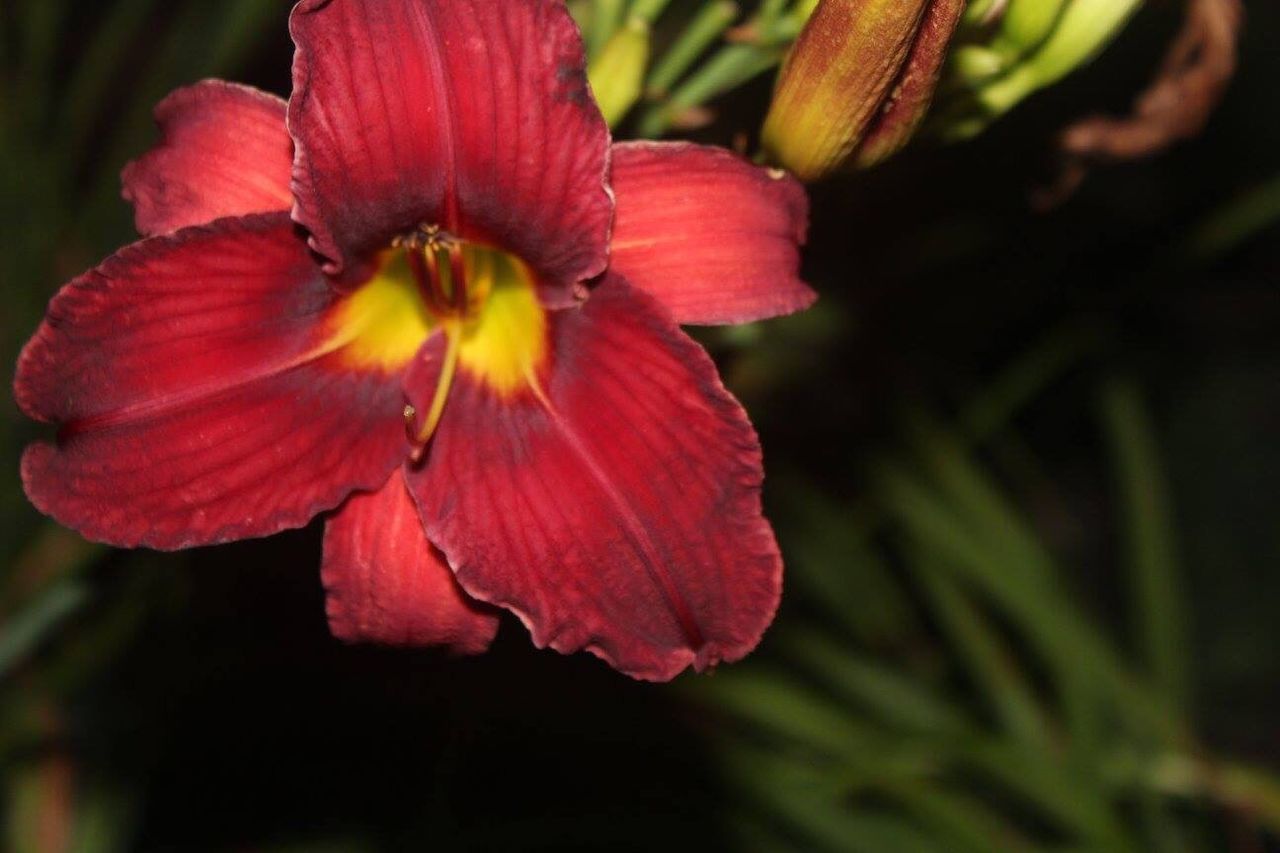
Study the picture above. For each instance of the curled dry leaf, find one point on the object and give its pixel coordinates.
(1192, 80)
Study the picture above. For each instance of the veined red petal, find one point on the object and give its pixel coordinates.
(223, 151)
(614, 505)
(712, 237)
(473, 115)
(199, 393)
(385, 583)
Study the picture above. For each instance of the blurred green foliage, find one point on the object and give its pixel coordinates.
(1023, 469)
(1007, 51)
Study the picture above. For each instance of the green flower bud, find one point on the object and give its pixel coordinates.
(1035, 44)
(617, 73)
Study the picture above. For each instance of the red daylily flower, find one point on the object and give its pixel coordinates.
(437, 217)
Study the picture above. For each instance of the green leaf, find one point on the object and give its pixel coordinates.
(896, 699)
(1148, 526)
(967, 823)
(1085, 664)
(1241, 219)
(788, 710)
(986, 656)
(978, 502)
(707, 26)
(1026, 379)
(831, 563)
(96, 71)
(27, 629)
(820, 809)
(727, 69)
(1071, 797)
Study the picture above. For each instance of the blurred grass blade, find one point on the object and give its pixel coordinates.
(202, 40)
(897, 700)
(730, 67)
(97, 70)
(1148, 528)
(1073, 799)
(1246, 791)
(964, 821)
(52, 553)
(707, 25)
(241, 26)
(787, 709)
(1252, 792)
(1025, 380)
(1042, 612)
(971, 493)
(1162, 827)
(816, 806)
(1235, 223)
(25, 630)
(40, 24)
(832, 563)
(933, 518)
(990, 663)
(105, 817)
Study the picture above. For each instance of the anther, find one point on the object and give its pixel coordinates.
(439, 266)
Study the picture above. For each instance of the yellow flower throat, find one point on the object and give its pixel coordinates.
(483, 300)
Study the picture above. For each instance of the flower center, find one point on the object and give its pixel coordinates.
(439, 263)
(482, 300)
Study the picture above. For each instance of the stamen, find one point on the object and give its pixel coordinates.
(423, 275)
(439, 266)
(439, 262)
(453, 346)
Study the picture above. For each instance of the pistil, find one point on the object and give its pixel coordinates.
(439, 267)
(448, 369)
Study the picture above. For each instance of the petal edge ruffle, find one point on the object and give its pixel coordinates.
(618, 509)
(223, 151)
(198, 396)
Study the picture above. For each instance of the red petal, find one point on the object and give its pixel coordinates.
(714, 238)
(619, 510)
(385, 583)
(473, 115)
(198, 399)
(224, 151)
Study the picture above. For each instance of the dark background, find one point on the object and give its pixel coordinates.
(196, 701)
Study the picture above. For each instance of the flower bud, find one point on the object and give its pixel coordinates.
(617, 73)
(857, 82)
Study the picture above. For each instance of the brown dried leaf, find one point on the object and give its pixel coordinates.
(1193, 78)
